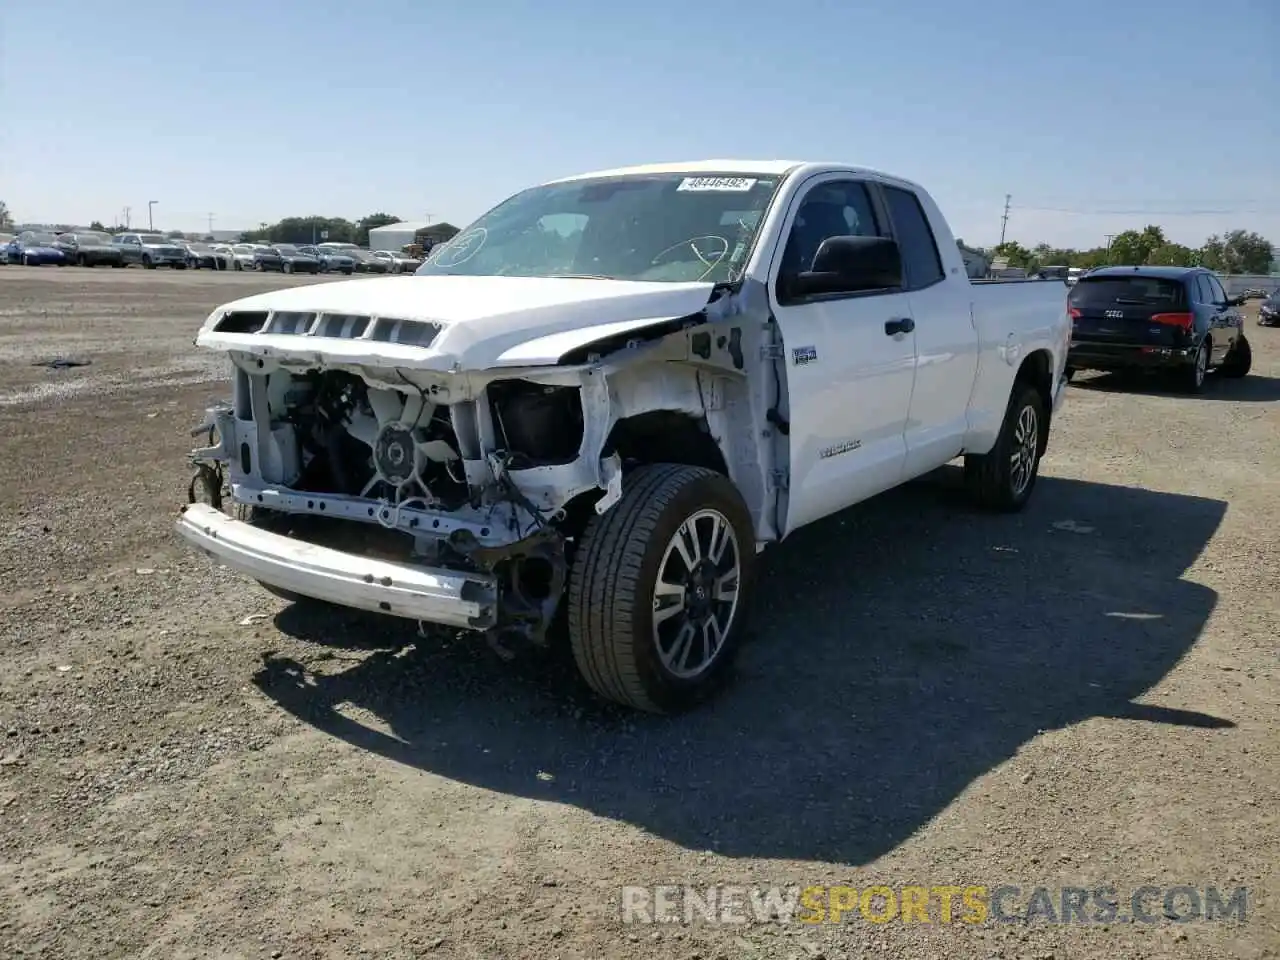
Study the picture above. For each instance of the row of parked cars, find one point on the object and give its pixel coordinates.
(90, 248)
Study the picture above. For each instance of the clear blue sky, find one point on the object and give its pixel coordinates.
(260, 109)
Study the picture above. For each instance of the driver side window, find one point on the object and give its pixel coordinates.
(832, 209)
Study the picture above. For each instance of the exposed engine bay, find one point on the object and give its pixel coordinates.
(340, 448)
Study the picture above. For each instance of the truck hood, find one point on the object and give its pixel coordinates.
(459, 323)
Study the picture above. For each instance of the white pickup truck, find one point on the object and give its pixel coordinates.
(589, 411)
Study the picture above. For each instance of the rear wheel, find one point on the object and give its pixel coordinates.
(1191, 377)
(1239, 361)
(1004, 478)
(654, 602)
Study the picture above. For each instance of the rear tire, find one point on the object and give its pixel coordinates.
(1239, 361)
(616, 580)
(1191, 378)
(1002, 480)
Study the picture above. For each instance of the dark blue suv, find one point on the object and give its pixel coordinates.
(1177, 319)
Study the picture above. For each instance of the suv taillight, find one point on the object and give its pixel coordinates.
(1184, 320)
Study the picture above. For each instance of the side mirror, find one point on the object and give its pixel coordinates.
(851, 265)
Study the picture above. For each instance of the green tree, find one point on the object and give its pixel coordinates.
(97, 225)
(1173, 255)
(365, 224)
(1133, 247)
(1015, 253)
(6, 221)
(1239, 251)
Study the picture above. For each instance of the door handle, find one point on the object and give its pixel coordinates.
(899, 325)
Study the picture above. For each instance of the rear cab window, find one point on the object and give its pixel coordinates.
(921, 263)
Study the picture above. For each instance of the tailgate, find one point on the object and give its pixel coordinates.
(1151, 311)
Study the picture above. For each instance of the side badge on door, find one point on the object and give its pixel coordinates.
(802, 355)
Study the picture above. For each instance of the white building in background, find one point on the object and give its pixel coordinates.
(395, 235)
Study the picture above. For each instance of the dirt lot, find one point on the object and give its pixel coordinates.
(1081, 695)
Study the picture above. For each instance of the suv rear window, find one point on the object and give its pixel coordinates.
(1149, 291)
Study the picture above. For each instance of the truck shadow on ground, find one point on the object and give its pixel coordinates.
(1251, 389)
(899, 650)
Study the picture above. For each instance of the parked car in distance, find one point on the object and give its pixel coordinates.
(89, 248)
(205, 256)
(293, 260)
(242, 256)
(605, 433)
(1174, 319)
(331, 259)
(397, 262)
(341, 247)
(1269, 311)
(366, 262)
(265, 259)
(35, 248)
(151, 250)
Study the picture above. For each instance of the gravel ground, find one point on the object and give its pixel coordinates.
(1083, 694)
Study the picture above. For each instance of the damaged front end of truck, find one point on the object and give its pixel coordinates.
(392, 462)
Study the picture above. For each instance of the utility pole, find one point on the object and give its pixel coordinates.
(127, 220)
(210, 224)
(151, 224)
(429, 216)
(1004, 221)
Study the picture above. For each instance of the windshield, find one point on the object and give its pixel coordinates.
(243, 248)
(93, 238)
(200, 247)
(657, 227)
(154, 238)
(45, 238)
(285, 248)
(1155, 291)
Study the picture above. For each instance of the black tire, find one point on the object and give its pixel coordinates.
(81, 260)
(286, 268)
(148, 263)
(613, 578)
(1068, 373)
(1191, 378)
(346, 273)
(991, 477)
(1239, 361)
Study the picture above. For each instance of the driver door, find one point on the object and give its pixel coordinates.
(850, 360)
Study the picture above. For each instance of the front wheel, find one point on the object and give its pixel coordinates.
(1239, 361)
(148, 264)
(1004, 478)
(656, 589)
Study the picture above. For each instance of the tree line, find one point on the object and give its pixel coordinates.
(339, 230)
(1236, 251)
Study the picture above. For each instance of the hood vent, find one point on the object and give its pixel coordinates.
(330, 326)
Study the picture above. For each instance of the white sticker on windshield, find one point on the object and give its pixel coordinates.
(723, 184)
